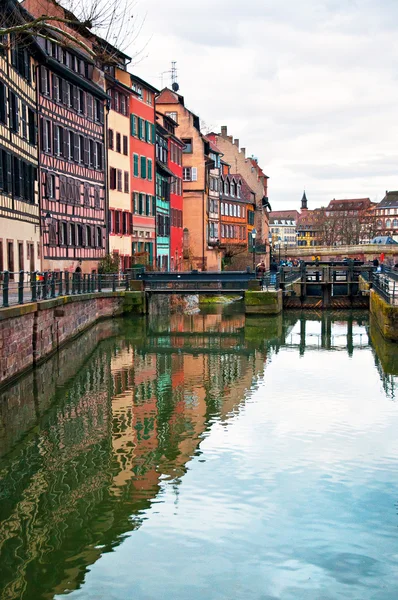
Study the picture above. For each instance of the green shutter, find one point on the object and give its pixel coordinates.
(140, 204)
(133, 125)
(147, 131)
(153, 206)
(143, 167)
(149, 169)
(153, 134)
(135, 165)
(140, 128)
(148, 205)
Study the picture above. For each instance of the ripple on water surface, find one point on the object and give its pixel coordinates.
(261, 469)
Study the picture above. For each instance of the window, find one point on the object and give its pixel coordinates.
(140, 128)
(81, 101)
(118, 143)
(395, 223)
(135, 171)
(123, 104)
(149, 97)
(173, 115)
(14, 118)
(190, 174)
(112, 178)
(232, 189)
(110, 139)
(388, 223)
(148, 205)
(150, 175)
(188, 145)
(119, 181)
(238, 190)
(45, 81)
(125, 145)
(47, 136)
(58, 131)
(3, 103)
(126, 182)
(133, 125)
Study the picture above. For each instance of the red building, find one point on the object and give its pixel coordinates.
(143, 171)
(174, 163)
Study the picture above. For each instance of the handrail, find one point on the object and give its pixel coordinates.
(25, 286)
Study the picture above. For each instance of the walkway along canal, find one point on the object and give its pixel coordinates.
(212, 455)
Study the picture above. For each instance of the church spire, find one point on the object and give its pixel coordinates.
(304, 202)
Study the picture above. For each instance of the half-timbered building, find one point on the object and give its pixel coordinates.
(72, 158)
(19, 209)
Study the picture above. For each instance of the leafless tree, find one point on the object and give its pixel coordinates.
(97, 26)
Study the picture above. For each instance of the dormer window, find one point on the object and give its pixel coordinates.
(238, 190)
(226, 188)
(232, 189)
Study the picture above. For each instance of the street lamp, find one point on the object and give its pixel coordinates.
(253, 234)
(270, 248)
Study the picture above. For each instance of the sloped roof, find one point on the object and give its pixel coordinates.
(290, 215)
(389, 200)
(167, 96)
(349, 204)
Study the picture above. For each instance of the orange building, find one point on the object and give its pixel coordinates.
(197, 164)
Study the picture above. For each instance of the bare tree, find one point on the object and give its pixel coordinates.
(97, 26)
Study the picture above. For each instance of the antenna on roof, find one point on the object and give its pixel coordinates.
(174, 84)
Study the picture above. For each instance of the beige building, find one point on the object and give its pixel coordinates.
(200, 252)
(255, 178)
(20, 248)
(119, 176)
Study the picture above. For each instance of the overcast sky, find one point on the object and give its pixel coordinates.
(310, 88)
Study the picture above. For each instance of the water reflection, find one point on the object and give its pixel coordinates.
(90, 440)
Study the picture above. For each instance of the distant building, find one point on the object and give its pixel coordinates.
(282, 227)
(309, 225)
(255, 178)
(386, 213)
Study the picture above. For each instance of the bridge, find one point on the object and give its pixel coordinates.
(196, 282)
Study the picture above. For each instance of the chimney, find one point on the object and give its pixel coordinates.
(243, 150)
(236, 142)
(224, 131)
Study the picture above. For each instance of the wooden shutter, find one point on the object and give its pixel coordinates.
(43, 80)
(55, 87)
(75, 97)
(66, 144)
(149, 169)
(90, 106)
(143, 167)
(86, 151)
(136, 165)
(97, 198)
(76, 147)
(101, 111)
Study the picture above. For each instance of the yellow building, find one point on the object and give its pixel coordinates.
(19, 208)
(118, 135)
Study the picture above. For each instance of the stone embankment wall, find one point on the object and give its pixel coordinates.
(32, 332)
(385, 315)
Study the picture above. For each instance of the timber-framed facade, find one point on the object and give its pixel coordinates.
(19, 208)
(72, 161)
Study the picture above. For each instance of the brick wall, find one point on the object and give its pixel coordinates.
(31, 332)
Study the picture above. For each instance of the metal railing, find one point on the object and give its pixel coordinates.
(197, 281)
(23, 287)
(385, 283)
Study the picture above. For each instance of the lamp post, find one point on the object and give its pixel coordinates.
(270, 248)
(253, 234)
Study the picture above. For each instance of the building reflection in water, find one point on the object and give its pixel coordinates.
(88, 439)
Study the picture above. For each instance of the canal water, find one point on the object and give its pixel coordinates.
(204, 456)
